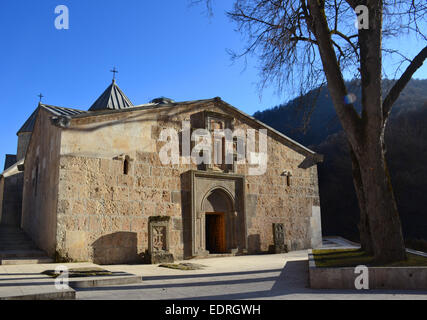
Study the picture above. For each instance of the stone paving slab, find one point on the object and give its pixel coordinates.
(48, 293)
(19, 261)
(18, 284)
(27, 282)
(117, 278)
(271, 277)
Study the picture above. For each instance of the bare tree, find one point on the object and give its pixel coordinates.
(312, 42)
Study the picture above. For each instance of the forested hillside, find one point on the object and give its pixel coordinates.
(406, 141)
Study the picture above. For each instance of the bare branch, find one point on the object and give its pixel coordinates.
(400, 84)
(346, 112)
(348, 40)
(208, 5)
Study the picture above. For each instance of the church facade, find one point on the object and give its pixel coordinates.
(95, 186)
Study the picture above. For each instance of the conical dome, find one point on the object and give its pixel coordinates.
(112, 99)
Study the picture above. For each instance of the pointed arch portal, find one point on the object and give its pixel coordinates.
(218, 215)
(219, 210)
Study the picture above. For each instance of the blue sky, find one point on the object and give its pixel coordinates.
(161, 48)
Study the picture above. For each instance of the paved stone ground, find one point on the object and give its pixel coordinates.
(283, 276)
(27, 281)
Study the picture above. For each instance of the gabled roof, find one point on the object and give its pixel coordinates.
(58, 111)
(61, 111)
(9, 161)
(28, 126)
(262, 124)
(151, 106)
(112, 99)
(115, 101)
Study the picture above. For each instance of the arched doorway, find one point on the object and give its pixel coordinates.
(213, 192)
(215, 232)
(219, 224)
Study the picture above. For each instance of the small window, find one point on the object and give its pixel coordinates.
(287, 174)
(126, 166)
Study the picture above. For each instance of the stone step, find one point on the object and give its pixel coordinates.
(9, 229)
(12, 245)
(5, 235)
(8, 242)
(2, 231)
(16, 243)
(11, 242)
(48, 293)
(118, 278)
(14, 239)
(18, 261)
(5, 254)
(18, 247)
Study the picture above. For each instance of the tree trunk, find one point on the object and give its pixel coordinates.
(381, 209)
(364, 132)
(365, 234)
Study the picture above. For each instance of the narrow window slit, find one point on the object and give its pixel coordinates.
(126, 167)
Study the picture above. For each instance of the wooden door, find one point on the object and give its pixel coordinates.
(215, 232)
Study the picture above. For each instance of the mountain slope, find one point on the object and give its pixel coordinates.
(406, 141)
(290, 118)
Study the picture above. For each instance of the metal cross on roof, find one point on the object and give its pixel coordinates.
(40, 96)
(114, 71)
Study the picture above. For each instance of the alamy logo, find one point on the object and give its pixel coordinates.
(217, 148)
(61, 281)
(362, 280)
(62, 21)
(362, 20)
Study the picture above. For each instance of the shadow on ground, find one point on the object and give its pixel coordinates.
(291, 280)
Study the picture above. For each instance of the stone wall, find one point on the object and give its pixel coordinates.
(103, 213)
(40, 192)
(97, 200)
(271, 200)
(11, 199)
(1, 196)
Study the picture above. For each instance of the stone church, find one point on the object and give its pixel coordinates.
(90, 185)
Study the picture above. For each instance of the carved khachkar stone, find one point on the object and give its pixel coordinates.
(279, 238)
(159, 240)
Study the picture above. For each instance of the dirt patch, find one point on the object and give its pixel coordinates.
(80, 272)
(182, 266)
